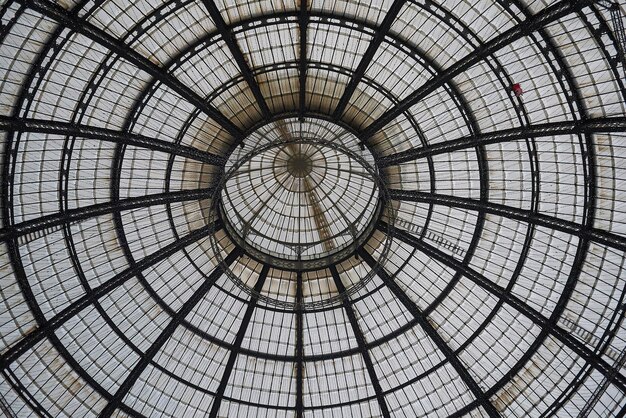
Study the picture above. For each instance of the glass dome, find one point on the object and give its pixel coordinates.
(313, 208)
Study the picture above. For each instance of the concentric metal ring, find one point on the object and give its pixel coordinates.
(345, 233)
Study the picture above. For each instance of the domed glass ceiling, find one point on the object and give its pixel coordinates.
(313, 208)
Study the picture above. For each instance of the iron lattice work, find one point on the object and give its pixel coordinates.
(313, 208)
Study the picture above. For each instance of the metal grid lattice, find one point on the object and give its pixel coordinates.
(482, 271)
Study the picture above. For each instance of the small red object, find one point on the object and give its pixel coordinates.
(517, 89)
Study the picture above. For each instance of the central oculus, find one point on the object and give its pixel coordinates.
(302, 203)
(299, 165)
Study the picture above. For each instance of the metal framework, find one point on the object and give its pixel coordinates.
(107, 135)
(432, 333)
(552, 222)
(299, 348)
(215, 408)
(303, 21)
(47, 327)
(35, 227)
(589, 126)
(229, 38)
(365, 62)
(541, 19)
(593, 359)
(358, 334)
(154, 108)
(59, 14)
(617, 18)
(165, 335)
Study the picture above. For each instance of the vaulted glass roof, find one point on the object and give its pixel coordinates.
(313, 208)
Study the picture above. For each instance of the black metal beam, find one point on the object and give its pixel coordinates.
(132, 115)
(245, 321)
(303, 22)
(231, 42)
(24, 100)
(362, 344)
(22, 105)
(578, 110)
(85, 212)
(597, 125)
(299, 347)
(63, 17)
(165, 335)
(619, 364)
(597, 235)
(25, 394)
(544, 17)
(463, 31)
(6, 409)
(578, 347)
(22, 281)
(430, 330)
(47, 328)
(366, 60)
(8, 123)
(604, 36)
(8, 23)
(618, 26)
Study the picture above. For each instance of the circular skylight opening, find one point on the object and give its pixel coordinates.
(300, 203)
